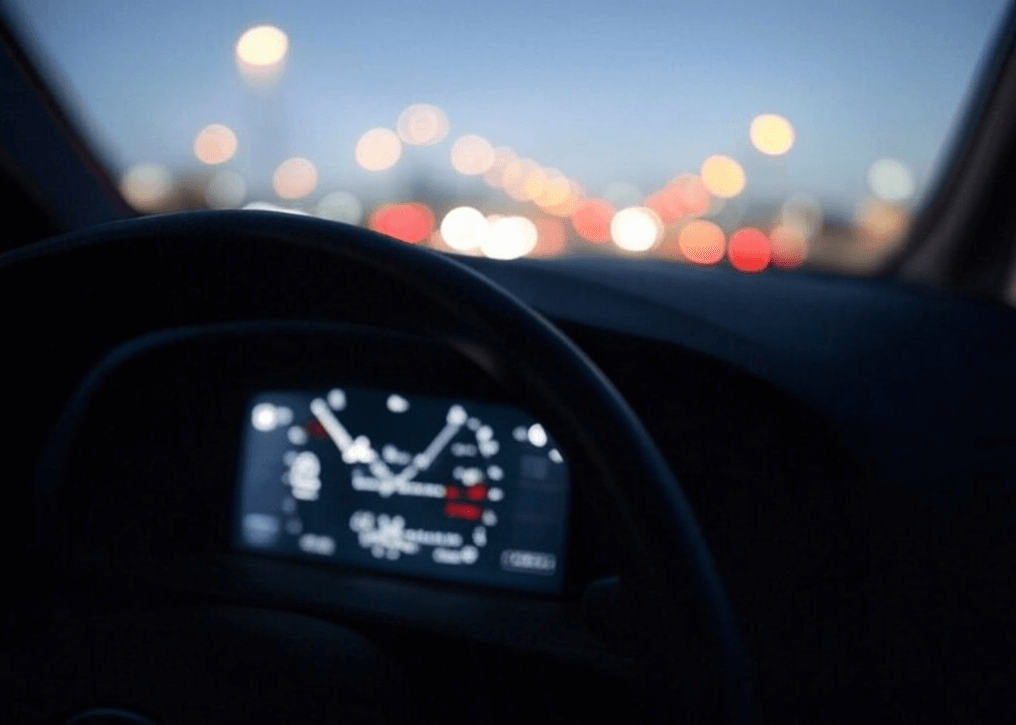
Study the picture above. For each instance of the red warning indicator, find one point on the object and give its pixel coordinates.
(477, 492)
(467, 511)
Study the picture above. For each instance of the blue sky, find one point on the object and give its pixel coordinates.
(607, 92)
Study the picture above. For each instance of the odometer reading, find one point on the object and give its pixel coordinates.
(449, 489)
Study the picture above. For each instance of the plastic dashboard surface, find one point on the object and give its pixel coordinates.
(314, 442)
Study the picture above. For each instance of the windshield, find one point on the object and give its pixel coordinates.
(752, 135)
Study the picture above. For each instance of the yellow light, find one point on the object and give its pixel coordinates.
(378, 149)
(723, 176)
(515, 177)
(262, 46)
(636, 229)
(771, 134)
(422, 125)
(215, 144)
(294, 178)
(702, 242)
(472, 155)
(495, 175)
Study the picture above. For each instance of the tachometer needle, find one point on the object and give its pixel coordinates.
(331, 424)
(456, 418)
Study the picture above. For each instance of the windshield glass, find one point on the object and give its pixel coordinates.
(753, 135)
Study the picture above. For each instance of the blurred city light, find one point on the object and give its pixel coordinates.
(517, 175)
(494, 175)
(702, 242)
(146, 186)
(686, 195)
(472, 155)
(378, 149)
(294, 178)
(891, 180)
(510, 237)
(803, 214)
(556, 190)
(749, 250)
(592, 220)
(723, 176)
(215, 144)
(879, 221)
(340, 206)
(464, 228)
(422, 125)
(225, 190)
(551, 237)
(260, 52)
(789, 247)
(411, 222)
(636, 229)
(771, 134)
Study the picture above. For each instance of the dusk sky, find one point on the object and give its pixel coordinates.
(633, 92)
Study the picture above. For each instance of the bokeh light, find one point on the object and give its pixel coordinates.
(411, 223)
(804, 214)
(879, 221)
(494, 175)
(636, 229)
(551, 237)
(557, 189)
(215, 144)
(891, 180)
(294, 178)
(340, 206)
(260, 52)
(591, 220)
(771, 134)
(422, 124)
(516, 177)
(225, 190)
(146, 186)
(569, 205)
(789, 247)
(378, 149)
(702, 242)
(510, 237)
(749, 250)
(686, 195)
(464, 228)
(723, 176)
(271, 206)
(472, 155)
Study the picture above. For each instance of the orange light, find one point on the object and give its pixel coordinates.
(411, 223)
(592, 220)
(749, 250)
(294, 178)
(686, 195)
(516, 176)
(702, 242)
(790, 247)
(550, 240)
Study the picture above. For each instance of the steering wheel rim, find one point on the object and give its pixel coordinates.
(672, 566)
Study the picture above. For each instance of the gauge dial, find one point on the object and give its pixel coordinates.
(417, 483)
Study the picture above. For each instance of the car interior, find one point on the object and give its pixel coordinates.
(263, 466)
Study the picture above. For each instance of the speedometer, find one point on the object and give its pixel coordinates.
(436, 487)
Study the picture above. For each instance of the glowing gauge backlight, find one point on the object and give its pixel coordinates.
(450, 489)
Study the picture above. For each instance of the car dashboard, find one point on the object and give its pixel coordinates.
(839, 500)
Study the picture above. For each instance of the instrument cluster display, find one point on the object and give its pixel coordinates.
(458, 490)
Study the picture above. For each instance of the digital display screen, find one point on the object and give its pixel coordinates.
(446, 489)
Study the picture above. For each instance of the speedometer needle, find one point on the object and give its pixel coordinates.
(454, 421)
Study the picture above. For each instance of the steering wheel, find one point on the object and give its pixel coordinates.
(127, 278)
